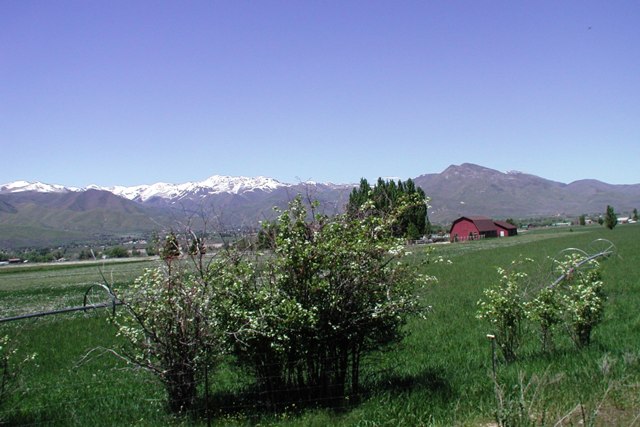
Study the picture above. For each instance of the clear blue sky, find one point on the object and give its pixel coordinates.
(135, 92)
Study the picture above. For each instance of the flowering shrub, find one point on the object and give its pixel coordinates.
(546, 309)
(300, 316)
(583, 297)
(576, 301)
(332, 290)
(172, 328)
(503, 307)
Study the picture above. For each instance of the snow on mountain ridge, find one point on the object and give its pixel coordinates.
(237, 185)
(213, 185)
(40, 187)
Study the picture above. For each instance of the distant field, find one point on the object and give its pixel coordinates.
(27, 288)
(439, 375)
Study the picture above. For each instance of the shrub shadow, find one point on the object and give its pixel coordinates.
(252, 405)
(430, 380)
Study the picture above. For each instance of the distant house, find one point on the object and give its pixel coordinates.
(479, 227)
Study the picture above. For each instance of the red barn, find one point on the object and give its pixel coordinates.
(472, 228)
(506, 229)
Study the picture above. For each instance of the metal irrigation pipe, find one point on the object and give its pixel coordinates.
(580, 264)
(62, 310)
(114, 302)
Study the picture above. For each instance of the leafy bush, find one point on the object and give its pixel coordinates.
(332, 290)
(585, 303)
(504, 308)
(575, 301)
(583, 297)
(300, 317)
(546, 309)
(117, 252)
(173, 329)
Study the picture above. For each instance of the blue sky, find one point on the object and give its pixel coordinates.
(136, 92)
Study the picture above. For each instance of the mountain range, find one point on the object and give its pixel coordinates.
(34, 213)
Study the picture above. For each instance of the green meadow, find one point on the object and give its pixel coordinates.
(440, 374)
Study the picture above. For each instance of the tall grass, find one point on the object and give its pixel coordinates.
(440, 374)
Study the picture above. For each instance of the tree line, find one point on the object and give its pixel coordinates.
(386, 196)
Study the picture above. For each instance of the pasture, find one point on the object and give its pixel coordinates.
(439, 375)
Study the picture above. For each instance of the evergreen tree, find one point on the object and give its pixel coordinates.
(610, 218)
(359, 196)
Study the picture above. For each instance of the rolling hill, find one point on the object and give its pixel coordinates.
(470, 189)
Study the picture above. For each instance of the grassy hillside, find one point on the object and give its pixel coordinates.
(14, 236)
(42, 219)
(439, 375)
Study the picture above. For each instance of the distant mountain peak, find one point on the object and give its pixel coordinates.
(237, 184)
(215, 184)
(470, 170)
(40, 187)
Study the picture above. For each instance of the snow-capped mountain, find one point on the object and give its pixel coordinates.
(228, 202)
(162, 193)
(20, 186)
(233, 201)
(215, 184)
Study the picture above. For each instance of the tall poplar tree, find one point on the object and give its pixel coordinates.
(386, 196)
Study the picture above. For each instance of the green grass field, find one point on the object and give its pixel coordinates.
(439, 375)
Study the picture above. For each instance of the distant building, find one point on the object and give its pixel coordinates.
(479, 227)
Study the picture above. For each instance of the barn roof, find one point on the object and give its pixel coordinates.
(505, 225)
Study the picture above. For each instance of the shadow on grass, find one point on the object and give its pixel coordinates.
(251, 405)
(31, 418)
(430, 380)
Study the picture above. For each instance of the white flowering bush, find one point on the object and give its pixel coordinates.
(575, 301)
(503, 307)
(299, 316)
(172, 326)
(332, 290)
(546, 309)
(583, 297)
